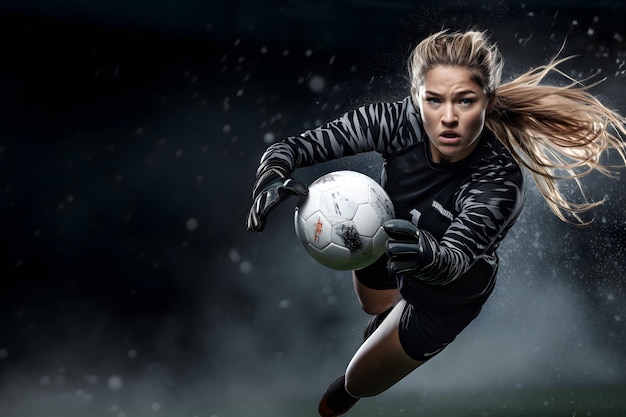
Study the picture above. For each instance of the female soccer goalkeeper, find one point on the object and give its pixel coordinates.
(453, 155)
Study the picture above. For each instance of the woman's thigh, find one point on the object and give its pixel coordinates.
(381, 361)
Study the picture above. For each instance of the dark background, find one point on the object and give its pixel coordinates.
(129, 138)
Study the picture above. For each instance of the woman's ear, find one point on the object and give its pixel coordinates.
(491, 102)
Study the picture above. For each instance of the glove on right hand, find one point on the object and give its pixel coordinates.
(275, 190)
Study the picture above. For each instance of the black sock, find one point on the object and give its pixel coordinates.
(337, 397)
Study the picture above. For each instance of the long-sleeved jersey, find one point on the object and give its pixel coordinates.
(463, 209)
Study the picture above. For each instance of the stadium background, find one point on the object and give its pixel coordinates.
(129, 141)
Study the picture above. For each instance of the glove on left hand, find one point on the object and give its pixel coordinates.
(403, 247)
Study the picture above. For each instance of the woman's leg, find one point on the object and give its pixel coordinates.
(378, 302)
(375, 301)
(381, 361)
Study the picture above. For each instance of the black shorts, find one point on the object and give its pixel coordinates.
(434, 314)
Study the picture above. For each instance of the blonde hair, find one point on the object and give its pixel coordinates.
(556, 132)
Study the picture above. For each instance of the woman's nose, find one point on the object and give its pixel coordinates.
(449, 116)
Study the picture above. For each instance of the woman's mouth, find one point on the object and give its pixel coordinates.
(449, 138)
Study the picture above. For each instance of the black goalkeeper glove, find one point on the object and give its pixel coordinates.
(403, 247)
(268, 192)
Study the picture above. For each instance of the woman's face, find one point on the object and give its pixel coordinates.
(453, 108)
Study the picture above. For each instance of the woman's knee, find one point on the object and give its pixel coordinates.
(376, 307)
(375, 301)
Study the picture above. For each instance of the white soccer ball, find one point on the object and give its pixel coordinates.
(339, 222)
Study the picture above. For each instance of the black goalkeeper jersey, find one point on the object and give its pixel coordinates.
(463, 209)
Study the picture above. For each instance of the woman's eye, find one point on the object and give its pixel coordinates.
(432, 100)
(467, 101)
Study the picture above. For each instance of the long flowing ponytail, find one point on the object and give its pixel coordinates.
(559, 133)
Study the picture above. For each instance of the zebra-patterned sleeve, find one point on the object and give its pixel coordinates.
(487, 212)
(380, 127)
